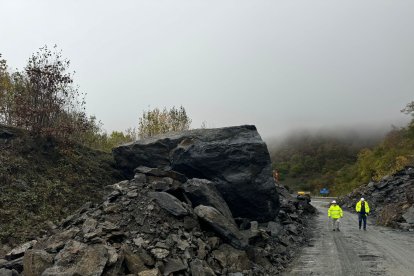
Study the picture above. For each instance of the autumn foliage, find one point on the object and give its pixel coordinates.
(156, 121)
(42, 97)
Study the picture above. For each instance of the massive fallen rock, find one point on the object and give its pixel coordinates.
(235, 158)
(165, 222)
(391, 199)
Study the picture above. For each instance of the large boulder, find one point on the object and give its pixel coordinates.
(235, 158)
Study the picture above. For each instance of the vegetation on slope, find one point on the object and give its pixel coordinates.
(310, 162)
(43, 181)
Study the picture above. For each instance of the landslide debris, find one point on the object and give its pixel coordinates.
(391, 199)
(167, 222)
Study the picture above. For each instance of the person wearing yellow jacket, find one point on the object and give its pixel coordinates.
(362, 209)
(335, 213)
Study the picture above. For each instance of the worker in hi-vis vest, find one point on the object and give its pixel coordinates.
(335, 213)
(362, 209)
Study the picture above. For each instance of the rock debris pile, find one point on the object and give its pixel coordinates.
(166, 220)
(391, 199)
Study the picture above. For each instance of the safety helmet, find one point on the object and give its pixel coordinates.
(362, 199)
(333, 201)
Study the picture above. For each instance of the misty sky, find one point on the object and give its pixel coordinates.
(280, 65)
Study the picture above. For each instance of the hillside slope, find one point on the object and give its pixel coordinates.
(307, 161)
(42, 181)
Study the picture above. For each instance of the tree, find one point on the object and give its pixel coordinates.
(46, 102)
(155, 121)
(6, 94)
(95, 137)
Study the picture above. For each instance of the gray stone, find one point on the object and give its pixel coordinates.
(6, 272)
(235, 158)
(409, 215)
(36, 261)
(79, 259)
(140, 242)
(221, 225)
(292, 229)
(202, 250)
(140, 178)
(254, 226)
(113, 256)
(190, 223)
(182, 245)
(151, 272)
(404, 226)
(108, 226)
(58, 241)
(89, 225)
(204, 192)
(20, 250)
(199, 268)
(160, 185)
(134, 262)
(174, 265)
(382, 184)
(232, 259)
(14, 265)
(145, 257)
(274, 228)
(213, 242)
(119, 188)
(162, 245)
(169, 203)
(132, 194)
(160, 253)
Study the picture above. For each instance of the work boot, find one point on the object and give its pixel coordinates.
(333, 229)
(337, 229)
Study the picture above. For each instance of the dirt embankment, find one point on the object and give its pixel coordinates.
(42, 182)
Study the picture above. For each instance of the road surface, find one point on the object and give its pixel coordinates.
(377, 251)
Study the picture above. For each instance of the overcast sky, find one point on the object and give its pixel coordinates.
(280, 65)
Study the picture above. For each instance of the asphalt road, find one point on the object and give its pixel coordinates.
(377, 251)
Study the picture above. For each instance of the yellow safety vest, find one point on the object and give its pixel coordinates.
(335, 212)
(358, 207)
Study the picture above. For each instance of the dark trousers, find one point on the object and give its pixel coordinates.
(362, 217)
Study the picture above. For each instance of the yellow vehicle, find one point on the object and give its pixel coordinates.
(304, 196)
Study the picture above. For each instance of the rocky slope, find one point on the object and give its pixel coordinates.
(165, 222)
(391, 200)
